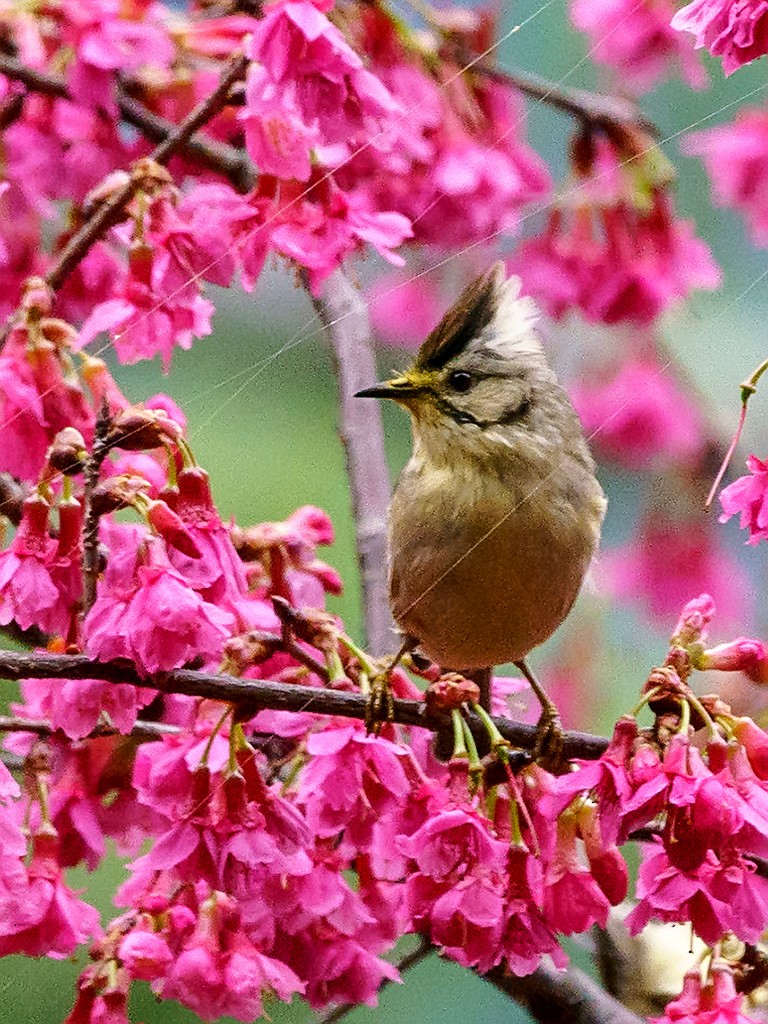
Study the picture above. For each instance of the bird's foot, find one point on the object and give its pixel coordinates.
(380, 708)
(550, 739)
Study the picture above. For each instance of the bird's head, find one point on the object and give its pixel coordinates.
(475, 371)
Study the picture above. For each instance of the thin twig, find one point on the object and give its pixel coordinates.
(107, 213)
(405, 963)
(40, 727)
(593, 109)
(568, 997)
(93, 466)
(344, 316)
(227, 160)
(265, 693)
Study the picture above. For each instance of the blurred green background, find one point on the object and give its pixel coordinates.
(260, 400)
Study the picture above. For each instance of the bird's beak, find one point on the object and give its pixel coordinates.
(397, 389)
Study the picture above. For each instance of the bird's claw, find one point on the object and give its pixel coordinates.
(380, 708)
(550, 739)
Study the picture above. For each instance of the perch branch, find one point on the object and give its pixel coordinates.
(264, 693)
(344, 316)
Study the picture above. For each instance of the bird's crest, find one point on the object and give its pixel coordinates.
(491, 309)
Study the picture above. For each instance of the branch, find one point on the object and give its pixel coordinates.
(569, 997)
(11, 498)
(593, 109)
(344, 316)
(99, 452)
(229, 161)
(264, 693)
(106, 214)
(141, 730)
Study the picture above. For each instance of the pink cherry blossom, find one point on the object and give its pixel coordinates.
(717, 1002)
(107, 41)
(608, 778)
(76, 705)
(733, 30)
(741, 655)
(640, 417)
(38, 398)
(219, 972)
(735, 155)
(145, 955)
(148, 313)
(52, 921)
(746, 497)
(637, 41)
(351, 780)
(617, 262)
(28, 593)
(159, 623)
(309, 87)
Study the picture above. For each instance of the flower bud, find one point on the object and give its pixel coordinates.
(170, 527)
(117, 492)
(449, 693)
(37, 297)
(150, 176)
(68, 453)
(741, 655)
(694, 618)
(137, 429)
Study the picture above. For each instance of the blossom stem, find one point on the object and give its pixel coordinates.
(728, 456)
(685, 718)
(99, 451)
(499, 745)
(359, 653)
(694, 702)
(647, 698)
(214, 733)
(459, 735)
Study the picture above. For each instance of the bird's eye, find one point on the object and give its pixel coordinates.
(460, 380)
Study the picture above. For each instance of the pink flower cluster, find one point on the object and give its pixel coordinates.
(747, 497)
(700, 868)
(639, 418)
(736, 158)
(716, 1002)
(637, 41)
(614, 253)
(733, 30)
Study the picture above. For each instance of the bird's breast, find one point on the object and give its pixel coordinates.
(482, 570)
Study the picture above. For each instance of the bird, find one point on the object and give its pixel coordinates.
(496, 517)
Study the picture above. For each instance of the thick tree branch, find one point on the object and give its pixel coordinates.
(568, 997)
(344, 316)
(264, 693)
(227, 160)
